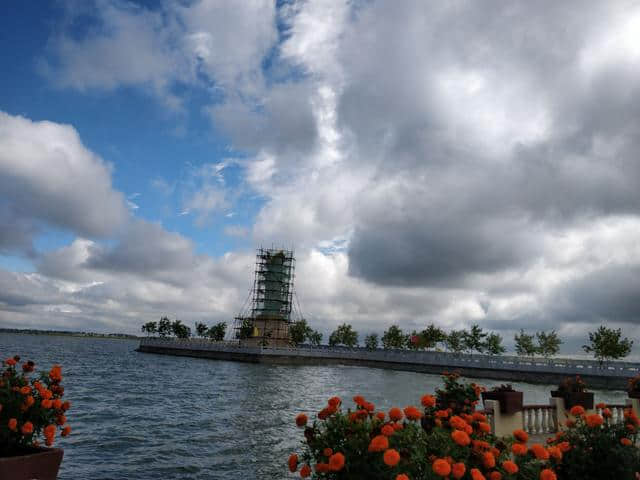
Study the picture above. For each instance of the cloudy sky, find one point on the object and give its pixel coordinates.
(454, 162)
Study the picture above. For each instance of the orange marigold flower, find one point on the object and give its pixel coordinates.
(381, 416)
(477, 475)
(457, 422)
(46, 403)
(322, 467)
(379, 443)
(334, 401)
(441, 467)
(479, 417)
(461, 438)
(387, 430)
(601, 405)
(555, 452)
(570, 423)
(45, 393)
(428, 401)
(564, 446)
(510, 467)
(539, 451)
(29, 401)
(26, 390)
(61, 420)
(495, 475)
(484, 427)
(626, 442)
(391, 457)
(48, 441)
(488, 460)
(397, 426)
(66, 430)
(458, 469)
(301, 419)
(27, 428)
(548, 474)
(49, 430)
(442, 413)
(359, 399)
(521, 435)
(66, 405)
(293, 462)
(55, 373)
(327, 452)
(10, 361)
(402, 476)
(594, 420)
(412, 413)
(519, 449)
(57, 403)
(336, 462)
(305, 471)
(606, 413)
(577, 410)
(395, 414)
(369, 407)
(13, 424)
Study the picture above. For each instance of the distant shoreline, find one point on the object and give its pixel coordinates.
(67, 333)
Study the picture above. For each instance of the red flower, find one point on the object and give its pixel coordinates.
(441, 467)
(412, 413)
(510, 467)
(521, 435)
(336, 462)
(301, 419)
(594, 420)
(13, 424)
(458, 469)
(27, 428)
(428, 401)
(391, 457)
(461, 438)
(293, 462)
(378, 443)
(305, 471)
(395, 414)
(577, 410)
(548, 474)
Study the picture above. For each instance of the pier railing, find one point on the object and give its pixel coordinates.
(448, 360)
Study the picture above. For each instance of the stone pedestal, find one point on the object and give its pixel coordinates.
(562, 414)
(503, 424)
(634, 403)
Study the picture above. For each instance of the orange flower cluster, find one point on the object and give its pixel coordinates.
(32, 406)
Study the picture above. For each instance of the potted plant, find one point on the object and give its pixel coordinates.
(31, 407)
(574, 392)
(510, 400)
(633, 387)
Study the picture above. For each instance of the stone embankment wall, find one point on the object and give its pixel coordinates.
(610, 376)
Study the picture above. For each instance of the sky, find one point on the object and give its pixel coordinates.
(447, 162)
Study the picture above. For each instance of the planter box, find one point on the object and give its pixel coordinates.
(510, 402)
(556, 394)
(584, 399)
(634, 394)
(36, 463)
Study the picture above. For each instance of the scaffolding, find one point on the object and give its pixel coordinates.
(265, 322)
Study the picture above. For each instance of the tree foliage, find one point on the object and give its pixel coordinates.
(524, 344)
(179, 329)
(493, 344)
(315, 338)
(201, 329)
(344, 335)
(393, 338)
(608, 344)
(474, 339)
(150, 328)
(548, 343)
(427, 338)
(217, 332)
(299, 332)
(245, 330)
(371, 341)
(455, 341)
(164, 327)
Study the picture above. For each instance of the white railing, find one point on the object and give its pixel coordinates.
(539, 419)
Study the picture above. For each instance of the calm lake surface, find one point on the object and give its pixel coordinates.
(145, 416)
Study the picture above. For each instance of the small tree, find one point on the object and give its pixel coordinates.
(548, 343)
(524, 344)
(427, 338)
(299, 331)
(201, 329)
(315, 338)
(493, 344)
(474, 339)
(245, 330)
(150, 328)
(608, 344)
(180, 330)
(164, 327)
(217, 332)
(344, 335)
(393, 338)
(371, 341)
(455, 341)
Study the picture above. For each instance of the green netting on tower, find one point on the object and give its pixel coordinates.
(273, 284)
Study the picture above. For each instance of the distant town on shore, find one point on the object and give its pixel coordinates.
(32, 331)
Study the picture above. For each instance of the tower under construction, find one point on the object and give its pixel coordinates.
(266, 321)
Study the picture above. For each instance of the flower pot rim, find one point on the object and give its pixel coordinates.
(33, 451)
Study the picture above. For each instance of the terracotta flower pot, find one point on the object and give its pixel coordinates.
(556, 394)
(510, 402)
(35, 463)
(584, 399)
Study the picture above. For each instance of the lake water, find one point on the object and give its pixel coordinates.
(145, 416)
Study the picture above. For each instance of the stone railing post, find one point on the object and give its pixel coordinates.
(634, 403)
(503, 424)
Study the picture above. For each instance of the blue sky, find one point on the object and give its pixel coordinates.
(429, 162)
